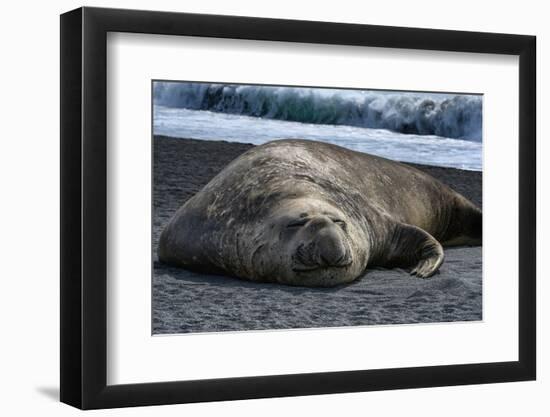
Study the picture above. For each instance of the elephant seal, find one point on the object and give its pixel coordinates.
(310, 213)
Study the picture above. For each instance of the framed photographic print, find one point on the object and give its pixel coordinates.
(258, 208)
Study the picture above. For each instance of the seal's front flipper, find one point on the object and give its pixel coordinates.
(412, 247)
(428, 265)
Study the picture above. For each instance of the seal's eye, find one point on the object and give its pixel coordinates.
(340, 223)
(297, 223)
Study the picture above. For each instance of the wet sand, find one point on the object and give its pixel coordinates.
(186, 302)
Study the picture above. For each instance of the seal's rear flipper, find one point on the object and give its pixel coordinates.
(412, 247)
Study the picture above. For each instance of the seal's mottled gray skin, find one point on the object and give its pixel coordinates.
(314, 214)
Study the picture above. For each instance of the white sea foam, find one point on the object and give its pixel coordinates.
(422, 149)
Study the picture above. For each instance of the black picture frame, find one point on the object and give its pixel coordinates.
(84, 207)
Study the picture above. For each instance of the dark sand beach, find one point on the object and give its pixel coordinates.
(186, 302)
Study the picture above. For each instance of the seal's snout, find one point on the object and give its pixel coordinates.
(327, 245)
(331, 247)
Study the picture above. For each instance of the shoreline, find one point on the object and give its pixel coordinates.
(169, 137)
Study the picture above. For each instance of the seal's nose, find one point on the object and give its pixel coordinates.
(331, 248)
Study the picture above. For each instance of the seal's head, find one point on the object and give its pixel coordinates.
(309, 242)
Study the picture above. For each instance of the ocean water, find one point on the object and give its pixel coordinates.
(425, 128)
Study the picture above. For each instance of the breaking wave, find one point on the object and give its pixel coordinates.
(451, 116)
